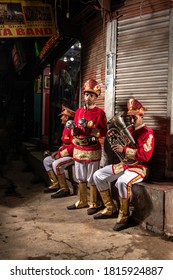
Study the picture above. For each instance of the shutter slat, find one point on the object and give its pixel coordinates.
(142, 72)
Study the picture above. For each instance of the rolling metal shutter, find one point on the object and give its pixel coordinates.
(142, 73)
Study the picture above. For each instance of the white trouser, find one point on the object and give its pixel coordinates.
(58, 165)
(105, 175)
(84, 171)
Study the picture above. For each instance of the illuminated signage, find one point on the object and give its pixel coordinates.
(49, 44)
(26, 19)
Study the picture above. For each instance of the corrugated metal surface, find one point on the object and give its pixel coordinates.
(142, 71)
(131, 8)
(94, 54)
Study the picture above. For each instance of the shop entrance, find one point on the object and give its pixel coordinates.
(61, 86)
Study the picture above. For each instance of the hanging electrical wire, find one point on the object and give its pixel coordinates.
(56, 24)
(87, 2)
(68, 9)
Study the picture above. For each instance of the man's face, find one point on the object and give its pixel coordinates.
(90, 98)
(136, 120)
(64, 119)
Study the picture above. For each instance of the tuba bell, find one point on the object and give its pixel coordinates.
(119, 134)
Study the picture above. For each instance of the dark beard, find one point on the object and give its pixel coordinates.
(89, 102)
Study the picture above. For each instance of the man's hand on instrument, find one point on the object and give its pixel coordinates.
(117, 148)
(55, 155)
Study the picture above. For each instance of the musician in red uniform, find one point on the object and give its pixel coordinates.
(90, 125)
(126, 173)
(59, 160)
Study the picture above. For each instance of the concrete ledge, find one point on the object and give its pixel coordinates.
(153, 203)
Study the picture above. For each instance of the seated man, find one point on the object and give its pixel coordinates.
(131, 169)
(59, 160)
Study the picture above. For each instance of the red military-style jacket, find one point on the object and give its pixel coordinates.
(67, 146)
(86, 143)
(141, 154)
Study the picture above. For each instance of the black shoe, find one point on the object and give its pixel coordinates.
(122, 226)
(73, 207)
(50, 190)
(61, 193)
(103, 216)
(119, 227)
(94, 210)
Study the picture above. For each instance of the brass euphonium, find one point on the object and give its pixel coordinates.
(119, 134)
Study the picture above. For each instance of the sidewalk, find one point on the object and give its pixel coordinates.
(35, 227)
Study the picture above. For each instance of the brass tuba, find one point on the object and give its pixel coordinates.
(119, 134)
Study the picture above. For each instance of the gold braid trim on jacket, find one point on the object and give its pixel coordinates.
(87, 155)
(64, 153)
(130, 153)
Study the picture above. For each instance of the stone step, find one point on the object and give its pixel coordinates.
(153, 204)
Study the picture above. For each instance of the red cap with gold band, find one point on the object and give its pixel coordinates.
(135, 107)
(92, 86)
(68, 112)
